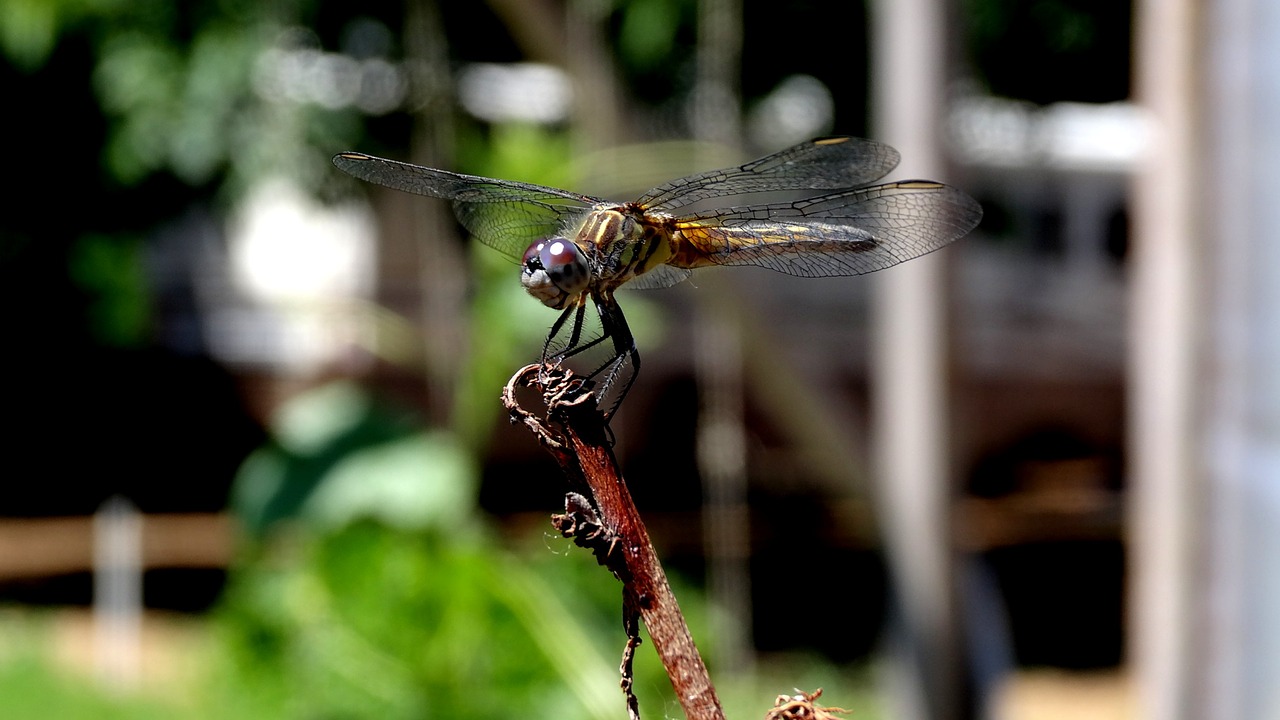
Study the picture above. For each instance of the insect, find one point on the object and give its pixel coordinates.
(575, 250)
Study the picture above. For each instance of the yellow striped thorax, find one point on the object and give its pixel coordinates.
(622, 242)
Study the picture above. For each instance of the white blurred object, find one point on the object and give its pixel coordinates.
(999, 132)
(306, 272)
(530, 92)
(799, 108)
(296, 70)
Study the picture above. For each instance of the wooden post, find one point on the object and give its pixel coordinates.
(1164, 448)
(117, 593)
(912, 486)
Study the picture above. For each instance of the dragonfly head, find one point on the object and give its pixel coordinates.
(554, 270)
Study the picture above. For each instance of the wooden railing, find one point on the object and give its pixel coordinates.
(44, 547)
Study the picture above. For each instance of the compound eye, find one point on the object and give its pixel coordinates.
(530, 259)
(563, 262)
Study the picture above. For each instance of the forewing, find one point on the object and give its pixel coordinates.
(822, 164)
(852, 232)
(503, 214)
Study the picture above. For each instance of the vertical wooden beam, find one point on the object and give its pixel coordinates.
(1163, 497)
(117, 593)
(1238, 648)
(908, 372)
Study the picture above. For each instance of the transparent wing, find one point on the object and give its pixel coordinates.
(663, 276)
(503, 214)
(846, 233)
(823, 164)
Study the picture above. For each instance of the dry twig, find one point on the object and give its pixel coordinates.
(600, 515)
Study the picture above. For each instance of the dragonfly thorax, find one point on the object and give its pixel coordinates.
(554, 271)
(623, 242)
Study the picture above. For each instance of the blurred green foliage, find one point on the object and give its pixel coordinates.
(335, 455)
(176, 107)
(110, 270)
(30, 29)
(370, 621)
(647, 32)
(377, 623)
(30, 689)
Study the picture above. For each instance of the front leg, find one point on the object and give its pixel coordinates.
(613, 327)
(573, 345)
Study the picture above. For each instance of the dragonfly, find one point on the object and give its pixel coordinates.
(576, 250)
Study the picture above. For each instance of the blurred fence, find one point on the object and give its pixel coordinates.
(118, 545)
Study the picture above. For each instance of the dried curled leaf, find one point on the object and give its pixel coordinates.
(802, 706)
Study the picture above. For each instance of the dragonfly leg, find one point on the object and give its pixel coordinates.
(613, 326)
(575, 311)
(626, 357)
(629, 359)
(574, 345)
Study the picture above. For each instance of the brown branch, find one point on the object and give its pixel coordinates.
(604, 518)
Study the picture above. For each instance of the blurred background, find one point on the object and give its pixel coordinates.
(257, 462)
